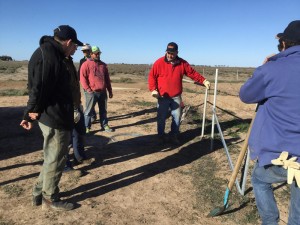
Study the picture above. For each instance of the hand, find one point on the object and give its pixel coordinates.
(76, 116)
(206, 83)
(155, 94)
(34, 116)
(110, 95)
(267, 58)
(26, 125)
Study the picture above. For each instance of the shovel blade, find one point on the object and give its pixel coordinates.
(219, 210)
(216, 211)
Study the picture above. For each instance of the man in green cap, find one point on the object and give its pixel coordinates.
(95, 80)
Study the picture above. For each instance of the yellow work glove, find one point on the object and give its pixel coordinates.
(281, 159)
(293, 173)
(206, 83)
(291, 165)
(155, 94)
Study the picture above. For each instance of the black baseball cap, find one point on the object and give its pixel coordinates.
(172, 47)
(65, 32)
(291, 32)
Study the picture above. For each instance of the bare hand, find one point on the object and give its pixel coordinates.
(26, 125)
(267, 58)
(110, 95)
(33, 116)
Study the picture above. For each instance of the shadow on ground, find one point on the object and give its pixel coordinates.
(14, 140)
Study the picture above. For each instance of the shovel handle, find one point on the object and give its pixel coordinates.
(241, 155)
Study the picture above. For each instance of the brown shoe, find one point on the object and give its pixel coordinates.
(57, 205)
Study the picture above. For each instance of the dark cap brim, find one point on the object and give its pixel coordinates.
(171, 50)
(79, 43)
(279, 35)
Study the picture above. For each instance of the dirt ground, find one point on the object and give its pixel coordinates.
(134, 180)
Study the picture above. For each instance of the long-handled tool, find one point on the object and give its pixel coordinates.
(219, 210)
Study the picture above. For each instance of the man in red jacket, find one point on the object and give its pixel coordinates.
(165, 84)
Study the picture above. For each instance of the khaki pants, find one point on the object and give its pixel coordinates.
(55, 147)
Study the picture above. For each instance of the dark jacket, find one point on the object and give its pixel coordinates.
(74, 81)
(49, 86)
(80, 64)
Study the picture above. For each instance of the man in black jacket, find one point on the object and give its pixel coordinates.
(51, 103)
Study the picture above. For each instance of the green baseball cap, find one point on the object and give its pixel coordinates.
(96, 49)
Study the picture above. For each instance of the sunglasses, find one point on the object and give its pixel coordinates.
(96, 53)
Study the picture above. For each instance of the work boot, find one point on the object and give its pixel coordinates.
(36, 200)
(57, 205)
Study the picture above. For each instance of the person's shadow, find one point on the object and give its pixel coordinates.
(133, 114)
(14, 140)
(137, 147)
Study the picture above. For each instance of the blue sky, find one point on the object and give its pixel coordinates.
(214, 32)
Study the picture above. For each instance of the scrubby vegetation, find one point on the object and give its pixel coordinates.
(7, 67)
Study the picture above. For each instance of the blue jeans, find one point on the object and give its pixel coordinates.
(77, 141)
(262, 179)
(163, 109)
(91, 99)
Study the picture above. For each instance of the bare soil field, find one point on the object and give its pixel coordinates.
(134, 179)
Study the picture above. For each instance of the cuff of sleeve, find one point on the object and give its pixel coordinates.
(27, 118)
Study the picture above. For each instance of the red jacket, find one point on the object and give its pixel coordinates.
(166, 78)
(94, 76)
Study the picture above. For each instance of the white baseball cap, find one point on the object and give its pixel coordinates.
(86, 47)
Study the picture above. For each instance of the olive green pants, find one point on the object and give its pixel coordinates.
(55, 148)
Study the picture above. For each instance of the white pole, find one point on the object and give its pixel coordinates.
(214, 105)
(204, 112)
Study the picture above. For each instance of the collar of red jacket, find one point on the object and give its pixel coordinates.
(175, 62)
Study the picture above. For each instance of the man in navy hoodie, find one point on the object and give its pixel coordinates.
(274, 141)
(51, 103)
